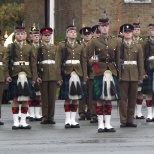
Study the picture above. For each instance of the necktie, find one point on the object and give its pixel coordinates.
(20, 44)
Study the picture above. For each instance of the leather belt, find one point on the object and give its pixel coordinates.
(130, 62)
(48, 62)
(72, 62)
(21, 63)
(106, 60)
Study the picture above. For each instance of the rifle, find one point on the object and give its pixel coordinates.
(122, 55)
(147, 55)
(63, 58)
(39, 60)
(11, 59)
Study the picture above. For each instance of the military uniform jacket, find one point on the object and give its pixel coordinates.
(108, 51)
(49, 71)
(74, 53)
(2, 51)
(21, 54)
(151, 43)
(132, 72)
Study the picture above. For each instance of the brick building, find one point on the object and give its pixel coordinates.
(87, 13)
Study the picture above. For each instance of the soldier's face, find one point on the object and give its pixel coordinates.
(128, 35)
(136, 32)
(35, 38)
(151, 32)
(71, 34)
(96, 34)
(104, 29)
(87, 37)
(46, 38)
(20, 36)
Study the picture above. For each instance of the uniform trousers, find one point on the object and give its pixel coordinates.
(128, 101)
(1, 94)
(48, 96)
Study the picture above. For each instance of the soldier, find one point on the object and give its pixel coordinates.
(147, 87)
(72, 58)
(20, 71)
(131, 75)
(35, 104)
(139, 101)
(119, 38)
(104, 58)
(96, 32)
(2, 79)
(47, 76)
(86, 103)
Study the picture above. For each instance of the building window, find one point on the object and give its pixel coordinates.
(137, 1)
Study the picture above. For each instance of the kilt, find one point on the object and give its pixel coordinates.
(98, 84)
(64, 89)
(147, 86)
(12, 91)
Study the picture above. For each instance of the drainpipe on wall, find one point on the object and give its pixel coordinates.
(52, 18)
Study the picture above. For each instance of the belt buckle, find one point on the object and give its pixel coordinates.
(21, 62)
(107, 60)
(48, 62)
(73, 61)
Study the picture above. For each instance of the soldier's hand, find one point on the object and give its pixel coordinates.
(94, 59)
(33, 82)
(60, 82)
(8, 79)
(140, 81)
(145, 76)
(39, 80)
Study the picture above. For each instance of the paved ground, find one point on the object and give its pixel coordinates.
(43, 139)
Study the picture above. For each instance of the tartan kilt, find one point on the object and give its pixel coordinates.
(64, 89)
(147, 86)
(12, 91)
(98, 84)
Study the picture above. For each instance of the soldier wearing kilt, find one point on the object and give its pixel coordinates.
(2, 78)
(131, 75)
(71, 75)
(87, 102)
(148, 84)
(35, 104)
(20, 71)
(104, 58)
(139, 100)
(47, 76)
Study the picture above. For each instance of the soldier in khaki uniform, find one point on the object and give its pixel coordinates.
(131, 75)
(72, 58)
(96, 32)
(35, 104)
(47, 76)
(2, 78)
(90, 113)
(20, 71)
(104, 58)
(148, 82)
(139, 101)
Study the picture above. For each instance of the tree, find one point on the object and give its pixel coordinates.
(9, 15)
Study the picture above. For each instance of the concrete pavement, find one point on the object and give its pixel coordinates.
(44, 139)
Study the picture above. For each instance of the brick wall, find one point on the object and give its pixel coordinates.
(65, 11)
(34, 12)
(88, 12)
(93, 10)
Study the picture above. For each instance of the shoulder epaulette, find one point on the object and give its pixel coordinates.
(113, 37)
(61, 42)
